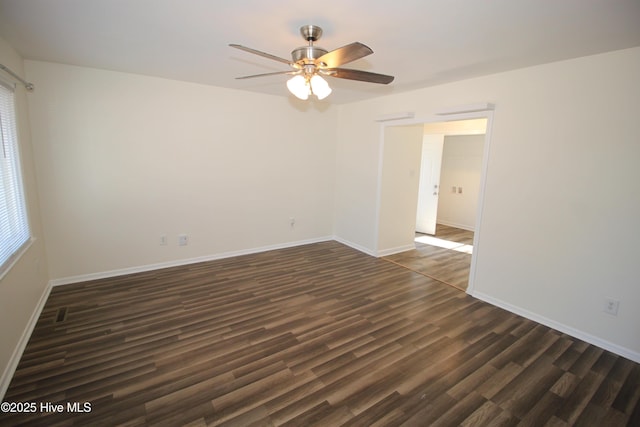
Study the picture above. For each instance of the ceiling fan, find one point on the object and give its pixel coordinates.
(309, 63)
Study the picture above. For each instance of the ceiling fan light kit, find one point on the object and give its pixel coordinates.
(298, 86)
(310, 63)
(302, 87)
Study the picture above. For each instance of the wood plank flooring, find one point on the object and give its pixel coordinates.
(314, 335)
(450, 266)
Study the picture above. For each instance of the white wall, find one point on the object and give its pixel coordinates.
(462, 169)
(25, 285)
(357, 167)
(399, 188)
(559, 227)
(123, 159)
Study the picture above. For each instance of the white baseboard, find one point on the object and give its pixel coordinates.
(11, 367)
(457, 225)
(396, 250)
(354, 246)
(377, 254)
(591, 339)
(150, 267)
(9, 370)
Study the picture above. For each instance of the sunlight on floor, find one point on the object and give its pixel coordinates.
(446, 244)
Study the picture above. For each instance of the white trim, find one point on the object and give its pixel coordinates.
(576, 333)
(480, 206)
(16, 257)
(475, 111)
(355, 246)
(9, 371)
(11, 367)
(456, 225)
(396, 250)
(150, 267)
(471, 108)
(395, 116)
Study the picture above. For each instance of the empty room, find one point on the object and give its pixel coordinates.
(249, 213)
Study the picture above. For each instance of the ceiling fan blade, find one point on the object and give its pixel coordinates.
(267, 74)
(363, 76)
(263, 54)
(345, 54)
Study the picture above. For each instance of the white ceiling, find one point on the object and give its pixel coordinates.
(420, 42)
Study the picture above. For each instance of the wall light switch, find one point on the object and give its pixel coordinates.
(183, 240)
(459, 190)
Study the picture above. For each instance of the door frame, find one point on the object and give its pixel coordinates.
(437, 118)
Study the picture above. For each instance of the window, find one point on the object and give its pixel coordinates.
(14, 225)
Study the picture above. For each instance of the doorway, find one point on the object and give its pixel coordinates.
(450, 174)
(456, 258)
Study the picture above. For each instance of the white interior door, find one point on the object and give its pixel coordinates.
(429, 184)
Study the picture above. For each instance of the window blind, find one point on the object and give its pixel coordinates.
(14, 224)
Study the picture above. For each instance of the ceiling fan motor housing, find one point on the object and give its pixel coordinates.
(307, 54)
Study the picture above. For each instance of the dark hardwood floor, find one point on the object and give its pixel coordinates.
(315, 335)
(449, 264)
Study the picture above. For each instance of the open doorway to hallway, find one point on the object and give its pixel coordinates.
(450, 173)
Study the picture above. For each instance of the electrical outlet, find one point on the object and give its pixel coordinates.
(183, 240)
(611, 306)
